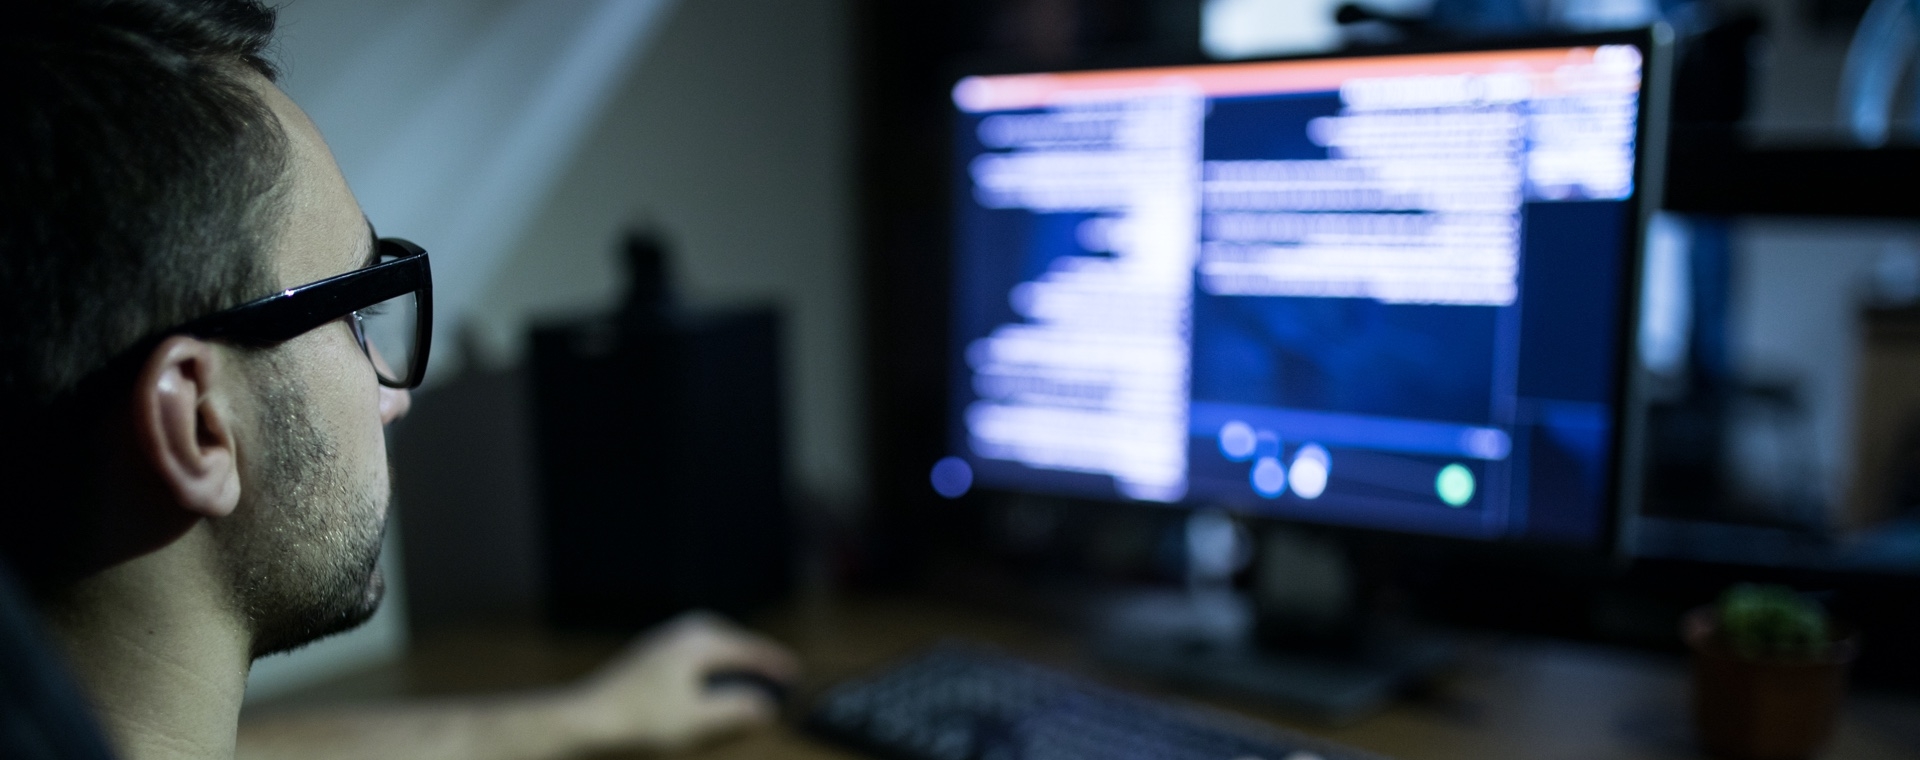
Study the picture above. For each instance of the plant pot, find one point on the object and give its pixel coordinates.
(1765, 709)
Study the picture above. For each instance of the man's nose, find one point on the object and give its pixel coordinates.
(393, 404)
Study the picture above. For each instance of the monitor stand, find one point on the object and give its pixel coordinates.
(1302, 646)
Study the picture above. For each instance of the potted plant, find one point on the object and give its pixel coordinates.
(1769, 673)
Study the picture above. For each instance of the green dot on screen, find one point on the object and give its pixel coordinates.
(1455, 485)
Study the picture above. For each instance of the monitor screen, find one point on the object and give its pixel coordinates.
(1380, 291)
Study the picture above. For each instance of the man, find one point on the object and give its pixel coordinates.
(203, 342)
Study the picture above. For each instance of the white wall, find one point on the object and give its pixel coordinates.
(452, 119)
(1798, 286)
(1799, 75)
(734, 136)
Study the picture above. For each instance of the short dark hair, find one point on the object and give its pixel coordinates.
(140, 175)
(140, 186)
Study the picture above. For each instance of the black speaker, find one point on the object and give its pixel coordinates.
(661, 460)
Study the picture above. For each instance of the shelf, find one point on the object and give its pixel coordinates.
(1715, 174)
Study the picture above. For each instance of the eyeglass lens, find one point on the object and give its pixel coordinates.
(390, 330)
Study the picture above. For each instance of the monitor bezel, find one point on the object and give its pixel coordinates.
(1625, 486)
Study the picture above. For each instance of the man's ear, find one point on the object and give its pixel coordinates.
(183, 417)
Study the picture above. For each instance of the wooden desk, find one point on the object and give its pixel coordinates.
(1521, 699)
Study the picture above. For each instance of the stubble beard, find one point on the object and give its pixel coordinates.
(303, 546)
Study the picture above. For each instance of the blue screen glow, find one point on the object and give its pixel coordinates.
(1380, 292)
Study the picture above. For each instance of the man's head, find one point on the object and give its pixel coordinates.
(154, 174)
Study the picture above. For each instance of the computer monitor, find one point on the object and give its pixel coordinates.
(1386, 291)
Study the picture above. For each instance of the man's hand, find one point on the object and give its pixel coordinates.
(655, 693)
(652, 695)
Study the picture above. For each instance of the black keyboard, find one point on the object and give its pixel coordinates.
(957, 702)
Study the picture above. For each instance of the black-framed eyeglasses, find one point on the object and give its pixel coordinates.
(389, 307)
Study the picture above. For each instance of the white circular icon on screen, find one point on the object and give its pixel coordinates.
(1311, 464)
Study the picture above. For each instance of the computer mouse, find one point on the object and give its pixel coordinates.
(741, 678)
